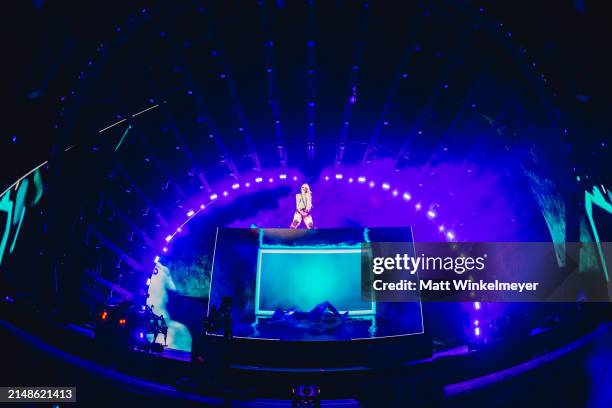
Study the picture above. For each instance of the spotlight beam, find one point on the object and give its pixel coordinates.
(126, 218)
(457, 119)
(311, 70)
(391, 93)
(238, 111)
(113, 286)
(202, 112)
(186, 151)
(157, 163)
(352, 87)
(179, 137)
(273, 95)
(142, 195)
(110, 245)
(418, 124)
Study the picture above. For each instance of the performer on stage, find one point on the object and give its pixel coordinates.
(303, 205)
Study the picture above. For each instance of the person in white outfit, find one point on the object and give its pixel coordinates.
(303, 207)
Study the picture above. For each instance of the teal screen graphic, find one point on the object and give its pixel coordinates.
(303, 278)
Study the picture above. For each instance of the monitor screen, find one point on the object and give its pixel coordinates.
(301, 278)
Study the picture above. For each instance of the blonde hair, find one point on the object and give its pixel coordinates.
(307, 188)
